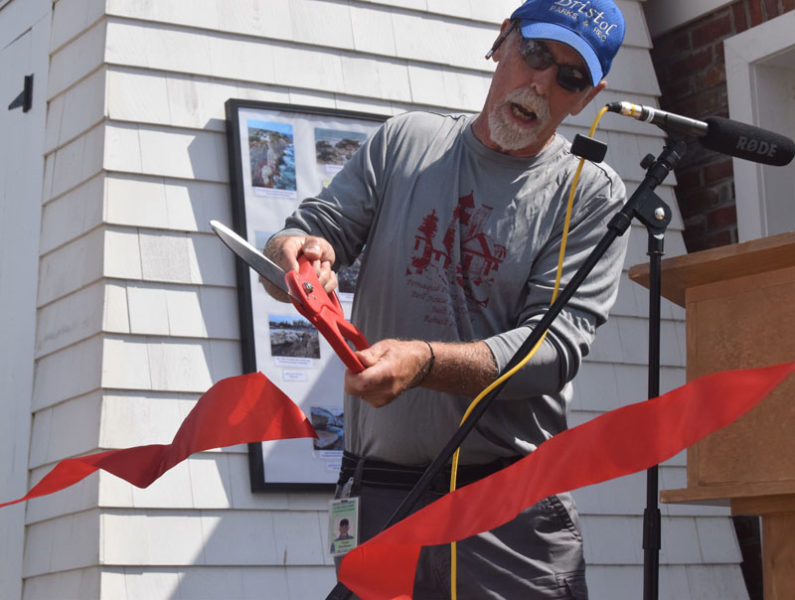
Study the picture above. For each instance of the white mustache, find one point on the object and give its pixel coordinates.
(529, 100)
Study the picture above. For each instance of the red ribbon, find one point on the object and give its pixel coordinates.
(236, 410)
(249, 408)
(623, 441)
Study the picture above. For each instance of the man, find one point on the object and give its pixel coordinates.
(343, 536)
(459, 222)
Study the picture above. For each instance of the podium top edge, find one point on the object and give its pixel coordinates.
(718, 264)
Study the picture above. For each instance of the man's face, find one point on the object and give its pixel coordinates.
(525, 106)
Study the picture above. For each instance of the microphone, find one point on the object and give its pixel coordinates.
(717, 133)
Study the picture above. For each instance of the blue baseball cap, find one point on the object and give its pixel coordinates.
(594, 28)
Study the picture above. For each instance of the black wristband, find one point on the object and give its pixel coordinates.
(425, 369)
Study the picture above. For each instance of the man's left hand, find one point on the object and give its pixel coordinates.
(390, 367)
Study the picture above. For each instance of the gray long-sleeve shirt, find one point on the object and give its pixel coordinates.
(461, 243)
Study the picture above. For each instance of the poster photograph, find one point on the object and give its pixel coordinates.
(330, 428)
(293, 336)
(280, 154)
(272, 158)
(333, 148)
(346, 280)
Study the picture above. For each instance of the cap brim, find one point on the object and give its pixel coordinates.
(548, 31)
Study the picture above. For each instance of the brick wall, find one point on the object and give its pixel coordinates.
(689, 63)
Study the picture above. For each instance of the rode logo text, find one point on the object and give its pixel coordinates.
(756, 146)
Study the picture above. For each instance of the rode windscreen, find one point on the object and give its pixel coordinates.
(717, 134)
(747, 142)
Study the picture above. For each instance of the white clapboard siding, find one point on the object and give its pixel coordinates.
(137, 307)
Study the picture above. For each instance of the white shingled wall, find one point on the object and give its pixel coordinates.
(137, 310)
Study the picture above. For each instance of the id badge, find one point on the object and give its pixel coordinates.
(343, 525)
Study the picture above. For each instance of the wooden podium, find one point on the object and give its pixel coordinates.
(740, 311)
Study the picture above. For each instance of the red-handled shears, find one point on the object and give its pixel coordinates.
(323, 310)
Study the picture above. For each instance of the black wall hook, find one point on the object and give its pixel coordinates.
(25, 98)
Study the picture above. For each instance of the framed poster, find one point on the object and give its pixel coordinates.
(278, 155)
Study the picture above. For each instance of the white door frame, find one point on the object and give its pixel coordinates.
(760, 78)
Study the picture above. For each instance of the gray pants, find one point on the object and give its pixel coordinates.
(537, 556)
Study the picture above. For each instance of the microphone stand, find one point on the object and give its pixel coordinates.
(655, 215)
(648, 208)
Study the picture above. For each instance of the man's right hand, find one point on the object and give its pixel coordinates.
(285, 250)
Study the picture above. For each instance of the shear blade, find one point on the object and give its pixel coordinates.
(252, 257)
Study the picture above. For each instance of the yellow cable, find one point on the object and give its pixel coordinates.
(528, 356)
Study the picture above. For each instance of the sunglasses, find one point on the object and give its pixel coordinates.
(539, 57)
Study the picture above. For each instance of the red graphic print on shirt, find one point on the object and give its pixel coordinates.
(463, 253)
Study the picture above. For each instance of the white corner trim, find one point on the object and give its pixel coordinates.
(742, 52)
(664, 15)
(762, 41)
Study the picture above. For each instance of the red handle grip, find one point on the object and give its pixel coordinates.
(325, 312)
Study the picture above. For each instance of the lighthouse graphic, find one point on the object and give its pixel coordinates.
(463, 247)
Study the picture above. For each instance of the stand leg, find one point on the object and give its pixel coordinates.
(652, 538)
(655, 216)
